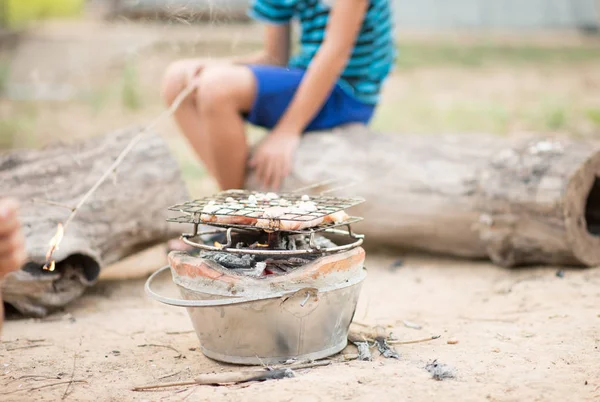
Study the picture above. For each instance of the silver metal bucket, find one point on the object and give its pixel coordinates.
(295, 322)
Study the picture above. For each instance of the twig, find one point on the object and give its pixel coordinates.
(72, 373)
(317, 184)
(179, 332)
(44, 386)
(161, 346)
(28, 340)
(169, 375)
(300, 366)
(342, 187)
(237, 377)
(431, 338)
(34, 377)
(53, 203)
(28, 347)
(165, 385)
(168, 112)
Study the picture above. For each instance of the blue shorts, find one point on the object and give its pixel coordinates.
(276, 87)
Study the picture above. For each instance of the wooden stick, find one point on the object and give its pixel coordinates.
(237, 377)
(53, 203)
(45, 386)
(431, 338)
(168, 112)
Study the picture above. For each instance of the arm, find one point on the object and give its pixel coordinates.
(276, 50)
(273, 158)
(345, 21)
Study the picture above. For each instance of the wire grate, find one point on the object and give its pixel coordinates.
(252, 204)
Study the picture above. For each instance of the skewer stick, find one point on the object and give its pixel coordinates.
(314, 185)
(112, 169)
(237, 377)
(342, 187)
(431, 338)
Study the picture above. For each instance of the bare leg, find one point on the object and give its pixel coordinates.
(211, 118)
(224, 94)
(187, 115)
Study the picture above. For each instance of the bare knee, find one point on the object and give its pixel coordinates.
(226, 86)
(173, 81)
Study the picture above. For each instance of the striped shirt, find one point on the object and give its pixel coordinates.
(374, 52)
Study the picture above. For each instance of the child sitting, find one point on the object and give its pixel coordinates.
(346, 53)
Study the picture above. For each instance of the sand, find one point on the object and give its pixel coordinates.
(524, 334)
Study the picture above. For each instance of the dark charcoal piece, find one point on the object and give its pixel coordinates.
(275, 264)
(231, 261)
(386, 350)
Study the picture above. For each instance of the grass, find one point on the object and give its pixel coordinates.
(593, 115)
(21, 12)
(18, 129)
(131, 92)
(4, 74)
(418, 55)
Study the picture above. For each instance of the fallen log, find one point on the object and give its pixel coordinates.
(125, 215)
(514, 201)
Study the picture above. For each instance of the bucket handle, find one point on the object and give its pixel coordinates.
(210, 303)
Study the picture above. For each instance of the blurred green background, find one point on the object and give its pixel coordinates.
(18, 13)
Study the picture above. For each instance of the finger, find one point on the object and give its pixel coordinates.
(261, 164)
(12, 242)
(278, 174)
(9, 221)
(252, 162)
(12, 262)
(8, 208)
(287, 167)
(270, 171)
(9, 226)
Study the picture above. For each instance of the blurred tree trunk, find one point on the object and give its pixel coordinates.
(516, 202)
(123, 216)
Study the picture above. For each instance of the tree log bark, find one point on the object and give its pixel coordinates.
(516, 202)
(123, 216)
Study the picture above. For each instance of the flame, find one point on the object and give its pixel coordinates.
(217, 244)
(54, 243)
(262, 245)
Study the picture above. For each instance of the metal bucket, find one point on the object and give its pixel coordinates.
(269, 322)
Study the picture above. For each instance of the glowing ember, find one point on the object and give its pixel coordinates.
(54, 243)
(262, 245)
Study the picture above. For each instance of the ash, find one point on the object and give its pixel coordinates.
(439, 371)
(260, 265)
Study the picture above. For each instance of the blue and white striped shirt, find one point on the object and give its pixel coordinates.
(374, 51)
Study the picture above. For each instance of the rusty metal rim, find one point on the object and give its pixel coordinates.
(236, 300)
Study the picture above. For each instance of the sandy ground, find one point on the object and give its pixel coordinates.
(522, 335)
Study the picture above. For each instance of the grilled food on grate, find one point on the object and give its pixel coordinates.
(270, 211)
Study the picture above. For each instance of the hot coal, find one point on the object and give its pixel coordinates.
(252, 263)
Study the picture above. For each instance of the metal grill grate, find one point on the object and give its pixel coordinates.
(321, 227)
(252, 204)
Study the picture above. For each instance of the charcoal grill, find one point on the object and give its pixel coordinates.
(297, 299)
(326, 205)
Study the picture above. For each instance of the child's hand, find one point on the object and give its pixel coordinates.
(273, 158)
(12, 249)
